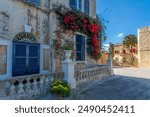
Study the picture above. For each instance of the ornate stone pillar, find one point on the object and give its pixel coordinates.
(68, 69)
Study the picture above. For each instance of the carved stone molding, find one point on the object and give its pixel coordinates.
(25, 37)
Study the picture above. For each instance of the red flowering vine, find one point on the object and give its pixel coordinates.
(78, 22)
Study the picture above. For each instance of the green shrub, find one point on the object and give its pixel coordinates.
(60, 88)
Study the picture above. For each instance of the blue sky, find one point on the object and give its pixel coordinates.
(124, 16)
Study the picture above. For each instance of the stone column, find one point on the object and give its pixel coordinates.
(68, 69)
(109, 63)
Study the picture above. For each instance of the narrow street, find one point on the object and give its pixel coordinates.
(126, 84)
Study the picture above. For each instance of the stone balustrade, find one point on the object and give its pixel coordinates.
(26, 87)
(92, 73)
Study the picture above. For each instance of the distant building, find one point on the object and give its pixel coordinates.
(123, 55)
(104, 58)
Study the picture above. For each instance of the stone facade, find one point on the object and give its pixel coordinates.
(144, 47)
(30, 24)
(104, 58)
(15, 14)
(123, 55)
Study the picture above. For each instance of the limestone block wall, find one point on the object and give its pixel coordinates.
(144, 47)
(14, 14)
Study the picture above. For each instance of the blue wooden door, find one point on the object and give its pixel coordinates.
(25, 59)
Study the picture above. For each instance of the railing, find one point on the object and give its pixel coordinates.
(58, 75)
(92, 73)
(26, 87)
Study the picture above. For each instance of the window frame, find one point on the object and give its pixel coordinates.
(42, 47)
(80, 8)
(8, 74)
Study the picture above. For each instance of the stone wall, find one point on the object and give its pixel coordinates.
(144, 47)
(125, 59)
(14, 14)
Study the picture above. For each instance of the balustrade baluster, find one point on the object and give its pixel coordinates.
(42, 87)
(12, 87)
(35, 87)
(20, 87)
(47, 83)
(3, 87)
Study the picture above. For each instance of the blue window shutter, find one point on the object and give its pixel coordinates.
(83, 48)
(80, 48)
(80, 5)
(33, 59)
(86, 7)
(19, 59)
(73, 4)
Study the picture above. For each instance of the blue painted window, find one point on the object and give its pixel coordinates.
(82, 5)
(76, 4)
(80, 48)
(73, 4)
(25, 59)
(86, 7)
(33, 2)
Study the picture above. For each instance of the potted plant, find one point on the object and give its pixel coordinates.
(68, 49)
(60, 89)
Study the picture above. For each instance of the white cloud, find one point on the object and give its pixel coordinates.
(121, 35)
(106, 45)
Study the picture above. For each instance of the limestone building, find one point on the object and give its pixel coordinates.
(124, 56)
(144, 47)
(31, 41)
(30, 26)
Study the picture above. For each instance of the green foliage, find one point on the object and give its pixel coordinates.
(67, 48)
(124, 60)
(130, 41)
(60, 88)
(111, 49)
(76, 21)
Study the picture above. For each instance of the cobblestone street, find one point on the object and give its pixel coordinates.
(127, 84)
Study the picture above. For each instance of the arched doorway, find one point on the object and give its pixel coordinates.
(26, 54)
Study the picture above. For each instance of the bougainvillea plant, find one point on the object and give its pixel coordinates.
(79, 22)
